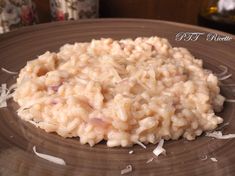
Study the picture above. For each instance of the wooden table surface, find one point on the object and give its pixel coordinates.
(184, 11)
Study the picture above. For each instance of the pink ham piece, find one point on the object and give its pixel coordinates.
(98, 122)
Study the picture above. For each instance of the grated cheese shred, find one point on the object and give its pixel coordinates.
(9, 72)
(230, 100)
(214, 159)
(219, 135)
(3, 90)
(5, 94)
(159, 149)
(141, 144)
(149, 160)
(224, 77)
(49, 157)
(127, 170)
(225, 71)
(203, 158)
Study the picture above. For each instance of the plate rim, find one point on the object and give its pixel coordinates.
(82, 21)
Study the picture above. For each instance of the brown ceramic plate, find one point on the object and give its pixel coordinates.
(17, 138)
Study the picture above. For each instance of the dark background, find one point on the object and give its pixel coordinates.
(184, 11)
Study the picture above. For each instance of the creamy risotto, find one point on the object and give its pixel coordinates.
(122, 91)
